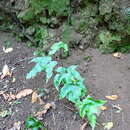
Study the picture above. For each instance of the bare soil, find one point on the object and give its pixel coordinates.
(104, 74)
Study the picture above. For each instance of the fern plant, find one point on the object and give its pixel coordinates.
(68, 82)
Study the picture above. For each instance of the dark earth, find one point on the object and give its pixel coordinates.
(104, 75)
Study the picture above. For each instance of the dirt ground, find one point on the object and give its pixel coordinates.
(104, 74)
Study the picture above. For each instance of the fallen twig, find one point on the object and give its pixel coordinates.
(28, 58)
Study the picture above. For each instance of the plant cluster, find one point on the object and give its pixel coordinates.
(115, 36)
(107, 23)
(68, 83)
(35, 9)
(96, 20)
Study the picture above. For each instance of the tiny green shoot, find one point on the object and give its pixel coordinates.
(33, 124)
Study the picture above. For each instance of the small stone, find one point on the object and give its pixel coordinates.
(81, 47)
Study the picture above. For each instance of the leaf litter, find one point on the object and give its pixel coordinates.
(44, 110)
(13, 80)
(6, 71)
(103, 108)
(34, 97)
(37, 98)
(22, 93)
(112, 97)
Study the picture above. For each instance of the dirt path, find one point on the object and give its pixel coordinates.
(105, 75)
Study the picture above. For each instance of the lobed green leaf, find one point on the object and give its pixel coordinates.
(90, 108)
(42, 64)
(72, 93)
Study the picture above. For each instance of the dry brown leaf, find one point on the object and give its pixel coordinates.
(103, 108)
(34, 97)
(7, 50)
(44, 111)
(6, 96)
(9, 97)
(13, 80)
(6, 72)
(83, 127)
(24, 93)
(41, 101)
(117, 55)
(112, 97)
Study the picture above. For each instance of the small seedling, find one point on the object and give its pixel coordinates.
(88, 58)
(33, 124)
(16, 102)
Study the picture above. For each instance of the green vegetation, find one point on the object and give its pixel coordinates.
(58, 46)
(34, 9)
(73, 87)
(101, 23)
(90, 108)
(33, 124)
(68, 82)
(42, 64)
(108, 40)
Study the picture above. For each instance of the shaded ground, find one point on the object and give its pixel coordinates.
(105, 75)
